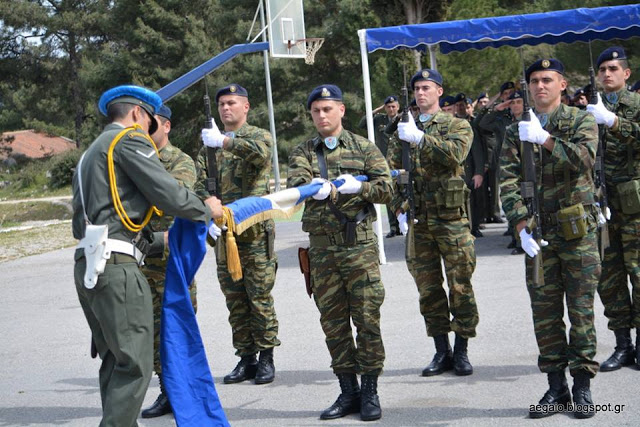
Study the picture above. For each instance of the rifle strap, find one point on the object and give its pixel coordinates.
(322, 165)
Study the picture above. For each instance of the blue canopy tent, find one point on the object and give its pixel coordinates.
(603, 23)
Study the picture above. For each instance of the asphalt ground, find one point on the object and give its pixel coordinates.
(47, 377)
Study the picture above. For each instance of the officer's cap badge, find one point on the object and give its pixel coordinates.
(325, 92)
(232, 89)
(546, 63)
(614, 54)
(425, 74)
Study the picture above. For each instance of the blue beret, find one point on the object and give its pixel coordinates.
(460, 97)
(615, 52)
(550, 64)
(447, 101)
(164, 111)
(469, 101)
(516, 95)
(635, 86)
(232, 89)
(414, 103)
(324, 92)
(391, 98)
(507, 85)
(426, 74)
(482, 95)
(130, 94)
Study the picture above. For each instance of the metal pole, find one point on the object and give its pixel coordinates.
(362, 35)
(433, 64)
(272, 121)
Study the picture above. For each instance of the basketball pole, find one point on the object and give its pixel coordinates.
(272, 121)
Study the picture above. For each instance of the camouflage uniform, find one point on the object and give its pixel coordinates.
(345, 279)
(571, 267)
(243, 169)
(621, 258)
(440, 232)
(183, 169)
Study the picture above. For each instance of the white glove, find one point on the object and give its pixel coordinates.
(532, 130)
(324, 191)
(408, 131)
(602, 115)
(607, 213)
(605, 216)
(214, 231)
(529, 245)
(350, 186)
(403, 225)
(213, 138)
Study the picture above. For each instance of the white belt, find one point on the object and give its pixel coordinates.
(122, 247)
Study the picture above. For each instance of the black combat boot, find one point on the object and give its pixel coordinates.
(461, 363)
(161, 406)
(555, 399)
(266, 369)
(442, 360)
(582, 402)
(624, 354)
(244, 370)
(369, 403)
(349, 400)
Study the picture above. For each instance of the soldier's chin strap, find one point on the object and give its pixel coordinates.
(233, 257)
(117, 203)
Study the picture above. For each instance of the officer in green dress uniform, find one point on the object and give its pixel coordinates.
(118, 184)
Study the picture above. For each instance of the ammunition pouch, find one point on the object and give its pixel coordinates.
(573, 222)
(305, 268)
(271, 239)
(629, 196)
(451, 198)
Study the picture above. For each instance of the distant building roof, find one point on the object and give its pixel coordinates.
(33, 144)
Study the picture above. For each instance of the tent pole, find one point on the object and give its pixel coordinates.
(433, 64)
(362, 35)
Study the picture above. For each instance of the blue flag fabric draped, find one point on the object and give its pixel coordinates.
(185, 369)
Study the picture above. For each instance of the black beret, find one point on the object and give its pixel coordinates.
(550, 64)
(232, 89)
(516, 95)
(447, 101)
(426, 74)
(579, 92)
(390, 99)
(324, 92)
(413, 103)
(507, 85)
(614, 52)
(460, 97)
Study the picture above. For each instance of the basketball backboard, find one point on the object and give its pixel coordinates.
(285, 19)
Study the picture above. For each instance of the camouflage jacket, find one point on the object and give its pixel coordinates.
(243, 167)
(354, 155)
(617, 141)
(576, 139)
(183, 169)
(440, 155)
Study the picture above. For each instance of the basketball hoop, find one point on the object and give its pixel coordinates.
(312, 46)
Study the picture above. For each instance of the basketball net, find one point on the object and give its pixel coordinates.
(313, 45)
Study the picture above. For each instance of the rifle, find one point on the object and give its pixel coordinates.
(405, 179)
(528, 187)
(212, 185)
(599, 178)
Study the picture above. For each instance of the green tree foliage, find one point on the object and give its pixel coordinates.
(58, 56)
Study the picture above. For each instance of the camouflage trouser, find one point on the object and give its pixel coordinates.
(571, 272)
(622, 261)
(435, 240)
(347, 287)
(154, 270)
(252, 316)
